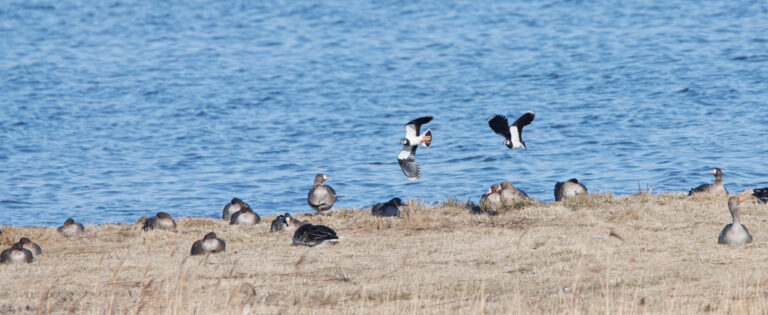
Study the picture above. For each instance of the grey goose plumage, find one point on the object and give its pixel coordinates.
(209, 244)
(734, 233)
(161, 221)
(31, 246)
(569, 188)
(321, 197)
(509, 193)
(714, 188)
(71, 228)
(233, 206)
(17, 254)
(245, 216)
(387, 209)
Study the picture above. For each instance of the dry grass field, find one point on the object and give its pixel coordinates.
(593, 254)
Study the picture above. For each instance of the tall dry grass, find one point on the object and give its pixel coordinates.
(592, 254)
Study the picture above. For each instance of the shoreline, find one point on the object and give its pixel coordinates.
(597, 253)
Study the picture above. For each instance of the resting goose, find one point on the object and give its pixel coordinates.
(233, 206)
(71, 228)
(512, 134)
(407, 156)
(734, 233)
(17, 254)
(509, 193)
(31, 246)
(278, 224)
(492, 198)
(715, 188)
(312, 235)
(569, 188)
(161, 221)
(321, 197)
(209, 244)
(245, 216)
(387, 209)
(292, 222)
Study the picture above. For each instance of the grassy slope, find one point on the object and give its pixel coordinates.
(555, 257)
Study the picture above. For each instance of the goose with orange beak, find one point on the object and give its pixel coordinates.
(734, 233)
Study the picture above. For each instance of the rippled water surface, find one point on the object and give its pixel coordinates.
(110, 110)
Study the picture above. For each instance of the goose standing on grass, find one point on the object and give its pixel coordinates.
(312, 235)
(512, 134)
(71, 228)
(321, 197)
(569, 188)
(233, 206)
(492, 198)
(734, 233)
(245, 216)
(715, 188)
(17, 254)
(413, 137)
(161, 221)
(31, 246)
(387, 209)
(509, 193)
(209, 244)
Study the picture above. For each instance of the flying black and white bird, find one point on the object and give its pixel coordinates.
(512, 134)
(407, 157)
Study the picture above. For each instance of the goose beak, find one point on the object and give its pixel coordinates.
(713, 172)
(326, 177)
(742, 198)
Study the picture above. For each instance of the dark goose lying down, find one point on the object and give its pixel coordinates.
(312, 235)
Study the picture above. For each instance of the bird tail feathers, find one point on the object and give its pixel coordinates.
(426, 139)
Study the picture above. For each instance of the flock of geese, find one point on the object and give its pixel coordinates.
(322, 197)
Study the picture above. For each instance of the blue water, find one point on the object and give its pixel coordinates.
(110, 110)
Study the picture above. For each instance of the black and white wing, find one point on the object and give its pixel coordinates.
(516, 130)
(407, 160)
(413, 127)
(500, 125)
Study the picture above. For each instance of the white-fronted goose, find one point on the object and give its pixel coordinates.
(509, 193)
(17, 254)
(312, 235)
(71, 228)
(569, 188)
(716, 188)
(387, 209)
(492, 198)
(233, 206)
(161, 221)
(413, 137)
(209, 244)
(31, 246)
(293, 222)
(321, 197)
(734, 233)
(245, 216)
(512, 134)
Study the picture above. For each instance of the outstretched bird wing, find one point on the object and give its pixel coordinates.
(413, 127)
(407, 160)
(500, 125)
